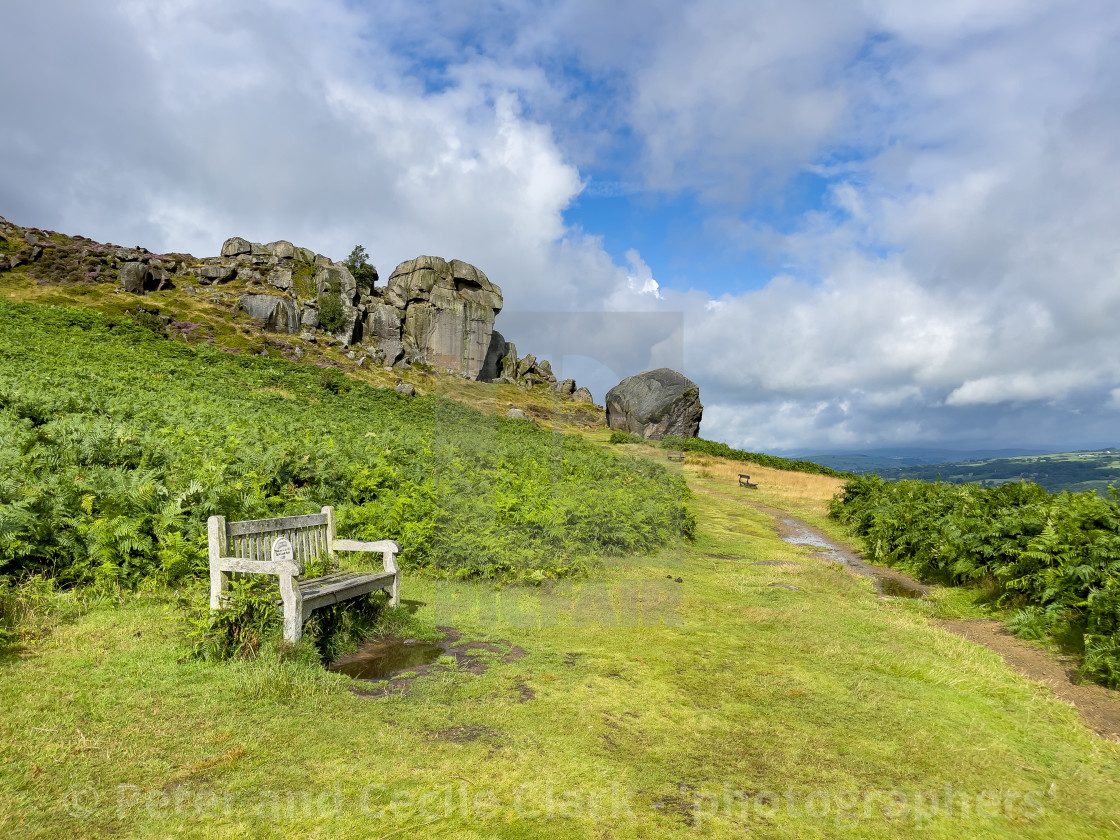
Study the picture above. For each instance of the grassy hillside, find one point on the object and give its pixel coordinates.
(117, 443)
(767, 694)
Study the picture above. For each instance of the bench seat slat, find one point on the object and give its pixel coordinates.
(336, 580)
(286, 523)
(327, 579)
(319, 592)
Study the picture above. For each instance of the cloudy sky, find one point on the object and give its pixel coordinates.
(855, 223)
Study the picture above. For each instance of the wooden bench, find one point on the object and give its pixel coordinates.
(676, 456)
(745, 481)
(281, 547)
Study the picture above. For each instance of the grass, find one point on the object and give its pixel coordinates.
(742, 707)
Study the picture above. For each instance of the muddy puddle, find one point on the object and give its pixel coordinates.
(382, 659)
(395, 663)
(887, 581)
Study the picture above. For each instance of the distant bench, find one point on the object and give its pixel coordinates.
(745, 481)
(676, 456)
(281, 547)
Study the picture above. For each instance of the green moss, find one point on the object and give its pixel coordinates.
(303, 280)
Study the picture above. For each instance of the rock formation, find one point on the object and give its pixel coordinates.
(654, 404)
(140, 277)
(448, 312)
(275, 313)
(432, 312)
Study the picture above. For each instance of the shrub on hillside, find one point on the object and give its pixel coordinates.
(626, 437)
(332, 316)
(722, 450)
(360, 267)
(108, 477)
(1057, 556)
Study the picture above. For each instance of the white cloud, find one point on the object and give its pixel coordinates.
(640, 277)
(964, 281)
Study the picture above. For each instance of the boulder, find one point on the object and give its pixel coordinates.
(516, 414)
(507, 367)
(281, 278)
(337, 277)
(276, 314)
(583, 395)
(654, 404)
(235, 246)
(282, 249)
(133, 276)
(526, 365)
(449, 310)
(406, 389)
(545, 370)
(138, 278)
(210, 274)
(383, 330)
(566, 387)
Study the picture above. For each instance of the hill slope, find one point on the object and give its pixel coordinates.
(117, 443)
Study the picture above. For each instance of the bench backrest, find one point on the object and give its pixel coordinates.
(311, 536)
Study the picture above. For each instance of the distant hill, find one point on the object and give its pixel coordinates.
(1074, 471)
(878, 460)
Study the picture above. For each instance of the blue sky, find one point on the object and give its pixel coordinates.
(855, 223)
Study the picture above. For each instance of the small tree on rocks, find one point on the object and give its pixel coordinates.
(359, 265)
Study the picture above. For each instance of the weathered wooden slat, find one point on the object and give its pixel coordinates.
(346, 590)
(307, 584)
(335, 583)
(256, 567)
(358, 545)
(263, 526)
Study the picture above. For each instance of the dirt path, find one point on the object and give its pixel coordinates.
(1098, 706)
(793, 530)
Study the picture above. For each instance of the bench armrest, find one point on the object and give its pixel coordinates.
(357, 545)
(258, 567)
(389, 550)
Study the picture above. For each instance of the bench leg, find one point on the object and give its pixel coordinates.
(293, 625)
(293, 609)
(219, 585)
(389, 558)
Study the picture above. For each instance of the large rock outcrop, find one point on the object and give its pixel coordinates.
(448, 312)
(654, 404)
(275, 313)
(432, 312)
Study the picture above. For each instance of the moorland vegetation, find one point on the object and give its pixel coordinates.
(117, 442)
(1054, 559)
